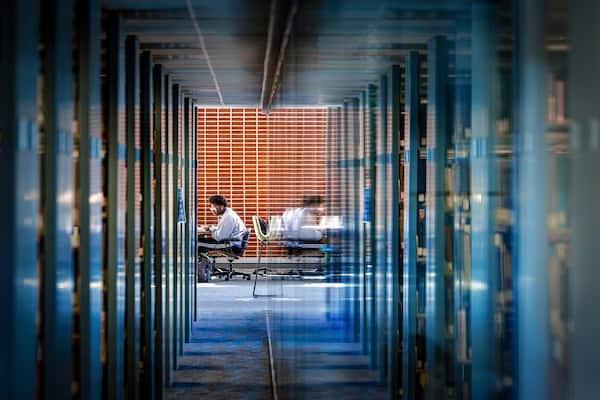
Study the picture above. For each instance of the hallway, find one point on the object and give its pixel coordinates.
(227, 356)
(425, 171)
(315, 356)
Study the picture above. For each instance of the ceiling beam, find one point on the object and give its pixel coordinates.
(281, 21)
(204, 51)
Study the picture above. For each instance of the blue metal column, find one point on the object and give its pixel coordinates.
(372, 227)
(346, 193)
(148, 259)
(57, 198)
(160, 305)
(364, 290)
(19, 205)
(175, 231)
(180, 224)
(132, 238)
(338, 151)
(338, 133)
(435, 293)
(409, 279)
(88, 256)
(380, 220)
(191, 218)
(583, 100)
(330, 161)
(460, 248)
(484, 267)
(355, 156)
(167, 203)
(115, 214)
(187, 118)
(394, 227)
(350, 226)
(532, 226)
(194, 220)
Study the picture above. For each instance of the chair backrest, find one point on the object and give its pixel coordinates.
(239, 251)
(246, 239)
(261, 228)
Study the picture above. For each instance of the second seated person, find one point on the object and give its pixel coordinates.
(302, 224)
(229, 232)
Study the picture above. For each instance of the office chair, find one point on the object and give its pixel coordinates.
(264, 233)
(231, 253)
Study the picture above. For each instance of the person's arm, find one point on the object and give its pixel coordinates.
(224, 230)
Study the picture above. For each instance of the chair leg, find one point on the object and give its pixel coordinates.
(229, 272)
(257, 269)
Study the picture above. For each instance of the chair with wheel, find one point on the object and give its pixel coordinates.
(230, 253)
(265, 233)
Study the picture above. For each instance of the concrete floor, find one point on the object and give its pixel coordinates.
(314, 347)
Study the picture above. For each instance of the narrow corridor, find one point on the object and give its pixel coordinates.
(227, 355)
(315, 354)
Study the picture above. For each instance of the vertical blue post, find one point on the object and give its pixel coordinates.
(19, 204)
(115, 221)
(355, 156)
(330, 164)
(533, 241)
(57, 199)
(583, 100)
(484, 97)
(187, 127)
(380, 222)
(160, 307)
(176, 242)
(372, 227)
(89, 194)
(341, 186)
(167, 217)
(194, 200)
(409, 279)
(347, 200)
(394, 115)
(435, 294)
(132, 267)
(460, 266)
(364, 289)
(149, 290)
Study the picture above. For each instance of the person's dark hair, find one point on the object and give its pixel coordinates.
(312, 201)
(218, 200)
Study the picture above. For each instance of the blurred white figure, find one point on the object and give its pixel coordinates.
(303, 223)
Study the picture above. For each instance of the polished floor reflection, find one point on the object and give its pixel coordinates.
(315, 351)
(226, 357)
(318, 355)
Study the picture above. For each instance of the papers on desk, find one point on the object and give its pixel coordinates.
(326, 222)
(202, 231)
(330, 222)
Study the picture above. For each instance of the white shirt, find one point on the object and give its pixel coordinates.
(300, 223)
(291, 221)
(230, 227)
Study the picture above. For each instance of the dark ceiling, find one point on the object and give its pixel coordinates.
(334, 48)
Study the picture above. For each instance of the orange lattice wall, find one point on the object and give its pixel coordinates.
(261, 164)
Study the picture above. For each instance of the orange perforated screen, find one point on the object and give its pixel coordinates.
(261, 164)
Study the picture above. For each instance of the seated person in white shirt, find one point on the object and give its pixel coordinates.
(229, 231)
(302, 224)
